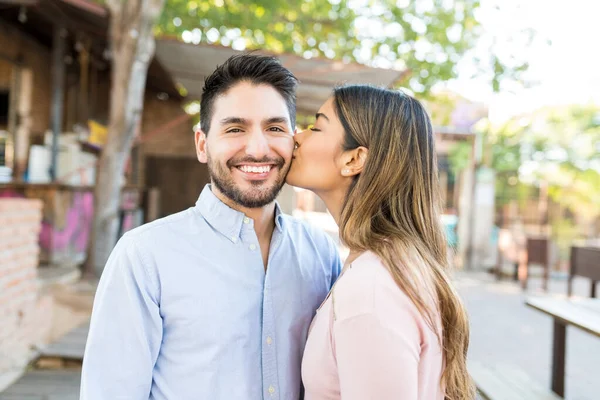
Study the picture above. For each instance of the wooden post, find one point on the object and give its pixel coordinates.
(19, 163)
(23, 127)
(470, 256)
(543, 207)
(547, 266)
(93, 90)
(58, 89)
(572, 266)
(84, 68)
(558, 358)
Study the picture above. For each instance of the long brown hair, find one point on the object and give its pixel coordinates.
(393, 209)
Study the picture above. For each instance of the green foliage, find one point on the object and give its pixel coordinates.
(441, 106)
(563, 144)
(556, 145)
(564, 233)
(502, 148)
(459, 155)
(428, 41)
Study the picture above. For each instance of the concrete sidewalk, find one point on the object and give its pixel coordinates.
(505, 331)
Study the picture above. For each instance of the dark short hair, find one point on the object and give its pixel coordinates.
(252, 68)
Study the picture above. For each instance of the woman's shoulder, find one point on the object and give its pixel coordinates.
(368, 287)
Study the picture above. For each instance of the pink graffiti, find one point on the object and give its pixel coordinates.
(76, 231)
(77, 226)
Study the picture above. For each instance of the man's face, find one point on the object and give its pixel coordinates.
(249, 146)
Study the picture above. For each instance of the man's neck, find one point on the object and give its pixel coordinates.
(263, 217)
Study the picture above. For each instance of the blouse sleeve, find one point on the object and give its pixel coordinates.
(377, 360)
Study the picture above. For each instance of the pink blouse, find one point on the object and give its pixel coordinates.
(376, 346)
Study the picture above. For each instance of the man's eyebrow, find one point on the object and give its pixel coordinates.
(317, 115)
(234, 120)
(277, 120)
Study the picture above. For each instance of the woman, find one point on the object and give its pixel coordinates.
(392, 327)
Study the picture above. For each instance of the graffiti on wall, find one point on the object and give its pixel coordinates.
(66, 223)
(67, 219)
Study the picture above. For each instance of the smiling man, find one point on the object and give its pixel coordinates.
(215, 302)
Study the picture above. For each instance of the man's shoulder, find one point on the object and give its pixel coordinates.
(300, 229)
(166, 227)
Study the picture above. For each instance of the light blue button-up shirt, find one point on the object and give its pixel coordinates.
(184, 308)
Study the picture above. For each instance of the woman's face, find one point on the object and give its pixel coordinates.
(317, 161)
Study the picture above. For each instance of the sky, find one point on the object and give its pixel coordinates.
(566, 71)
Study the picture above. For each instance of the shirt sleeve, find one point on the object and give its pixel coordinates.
(125, 329)
(376, 361)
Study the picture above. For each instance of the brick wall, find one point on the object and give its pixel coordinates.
(25, 316)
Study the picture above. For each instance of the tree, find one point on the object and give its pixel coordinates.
(132, 48)
(427, 38)
(559, 146)
(562, 148)
(554, 150)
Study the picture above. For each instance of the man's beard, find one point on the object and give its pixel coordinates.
(256, 197)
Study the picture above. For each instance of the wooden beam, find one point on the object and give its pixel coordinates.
(26, 41)
(20, 2)
(88, 6)
(58, 89)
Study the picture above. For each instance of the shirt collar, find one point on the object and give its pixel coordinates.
(225, 219)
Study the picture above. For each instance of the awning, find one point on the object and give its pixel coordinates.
(190, 64)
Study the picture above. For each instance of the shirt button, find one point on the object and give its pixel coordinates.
(269, 340)
(246, 220)
(252, 247)
(271, 389)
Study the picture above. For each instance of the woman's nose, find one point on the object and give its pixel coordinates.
(298, 137)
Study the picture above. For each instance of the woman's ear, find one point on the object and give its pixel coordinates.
(354, 161)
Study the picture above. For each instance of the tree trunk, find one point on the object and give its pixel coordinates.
(132, 49)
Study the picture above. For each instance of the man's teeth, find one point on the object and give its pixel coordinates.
(256, 170)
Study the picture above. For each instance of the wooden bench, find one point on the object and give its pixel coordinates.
(585, 262)
(504, 382)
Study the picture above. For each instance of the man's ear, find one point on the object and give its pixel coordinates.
(200, 138)
(354, 161)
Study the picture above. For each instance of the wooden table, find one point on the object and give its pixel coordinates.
(578, 312)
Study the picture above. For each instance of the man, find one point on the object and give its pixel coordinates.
(215, 302)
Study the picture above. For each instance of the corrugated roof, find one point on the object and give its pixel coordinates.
(190, 64)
